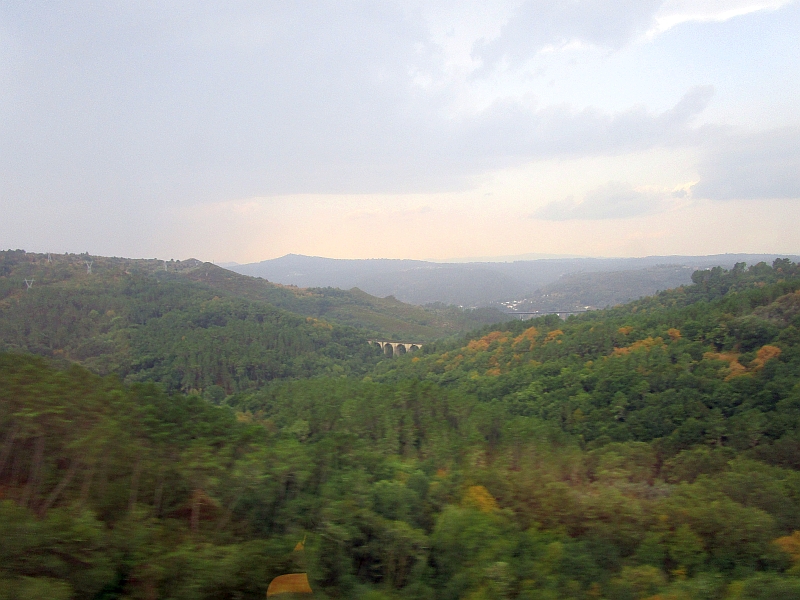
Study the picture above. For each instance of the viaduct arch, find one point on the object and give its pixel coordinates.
(395, 348)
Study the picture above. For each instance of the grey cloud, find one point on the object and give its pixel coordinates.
(507, 129)
(177, 104)
(537, 24)
(760, 165)
(128, 106)
(614, 200)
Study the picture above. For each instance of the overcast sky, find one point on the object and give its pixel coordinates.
(241, 131)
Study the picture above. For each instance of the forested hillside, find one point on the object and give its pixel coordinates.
(387, 317)
(713, 361)
(577, 291)
(143, 324)
(647, 451)
(197, 327)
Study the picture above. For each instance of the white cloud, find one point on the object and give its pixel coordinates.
(676, 12)
(542, 24)
(546, 25)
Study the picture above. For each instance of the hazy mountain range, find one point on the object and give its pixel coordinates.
(525, 284)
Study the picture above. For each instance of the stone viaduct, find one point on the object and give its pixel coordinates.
(395, 348)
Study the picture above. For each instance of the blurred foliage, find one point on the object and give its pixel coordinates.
(618, 454)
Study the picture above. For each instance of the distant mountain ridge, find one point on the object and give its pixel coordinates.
(479, 283)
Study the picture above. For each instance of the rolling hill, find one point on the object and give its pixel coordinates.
(195, 326)
(487, 283)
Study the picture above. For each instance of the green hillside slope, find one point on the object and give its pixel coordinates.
(133, 319)
(378, 317)
(716, 361)
(575, 291)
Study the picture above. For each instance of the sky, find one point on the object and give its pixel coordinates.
(243, 131)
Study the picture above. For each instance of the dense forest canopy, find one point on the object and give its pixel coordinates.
(646, 451)
(377, 316)
(194, 326)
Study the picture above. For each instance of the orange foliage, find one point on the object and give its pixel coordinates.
(293, 583)
(625, 330)
(528, 335)
(674, 334)
(484, 342)
(764, 354)
(493, 372)
(646, 344)
(479, 497)
(553, 335)
(732, 358)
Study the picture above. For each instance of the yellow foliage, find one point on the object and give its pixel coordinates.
(415, 359)
(479, 497)
(454, 363)
(646, 344)
(484, 342)
(528, 335)
(732, 358)
(764, 354)
(293, 583)
(791, 545)
(493, 372)
(674, 334)
(244, 417)
(318, 324)
(625, 330)
(553, 335)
